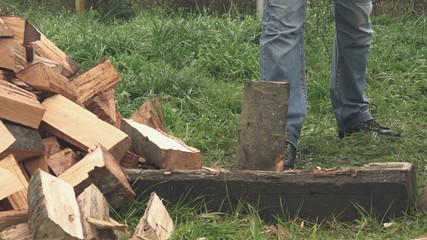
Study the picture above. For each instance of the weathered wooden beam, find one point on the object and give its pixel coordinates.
(383, 189)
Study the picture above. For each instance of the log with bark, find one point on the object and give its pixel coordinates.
(262, 129)
(53, 209)
(156, 223)
(100, 168)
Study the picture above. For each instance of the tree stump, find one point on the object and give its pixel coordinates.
(261, 136)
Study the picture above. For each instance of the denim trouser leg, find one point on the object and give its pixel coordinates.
(282, 56)
(349, 62)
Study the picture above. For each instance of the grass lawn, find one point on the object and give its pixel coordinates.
(197, 65)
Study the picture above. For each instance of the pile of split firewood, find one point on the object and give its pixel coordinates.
(64, 148)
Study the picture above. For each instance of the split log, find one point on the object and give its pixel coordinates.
(9, 183)
(44, 78)
(18, 105)
(107, 225)
(12, 217)
(262, 129)
(155, 224)
(5, 30)
(24, 32)
(100, 168)
(17, 200)
(33, 164)
(147, 114)
(7, 138)
(161, 149)
(131, 160)
(74, 124)
(62, 160)
(28, 142)
(20, 231)
(51, 145)
(53, 209)
(103, 105)
(100, 78)
(387, 190)
(94, 205)
(12, 55)
(14, 88)
(46, 49)
(6, 75)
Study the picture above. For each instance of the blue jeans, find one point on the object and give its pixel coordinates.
(282, 59)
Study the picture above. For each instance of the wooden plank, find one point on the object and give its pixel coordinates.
(69, 121)
(28, 142)
(155, 224)
(19, 107)
(262, 129)
(161, 149)
(20, 231)
(7, 138)
(385, 189)
(100, 168)
(103, 105)
(12, 217)
(100, 78)
(17, 200)
(42, 77)
(53, 209)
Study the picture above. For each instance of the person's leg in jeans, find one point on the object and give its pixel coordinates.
(353, 37)
(282, 56)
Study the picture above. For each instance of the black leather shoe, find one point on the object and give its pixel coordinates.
(369, 126)
(290, 155)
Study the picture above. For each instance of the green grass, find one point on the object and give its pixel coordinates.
(197, 65)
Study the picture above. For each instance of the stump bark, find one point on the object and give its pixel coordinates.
(261, 136)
